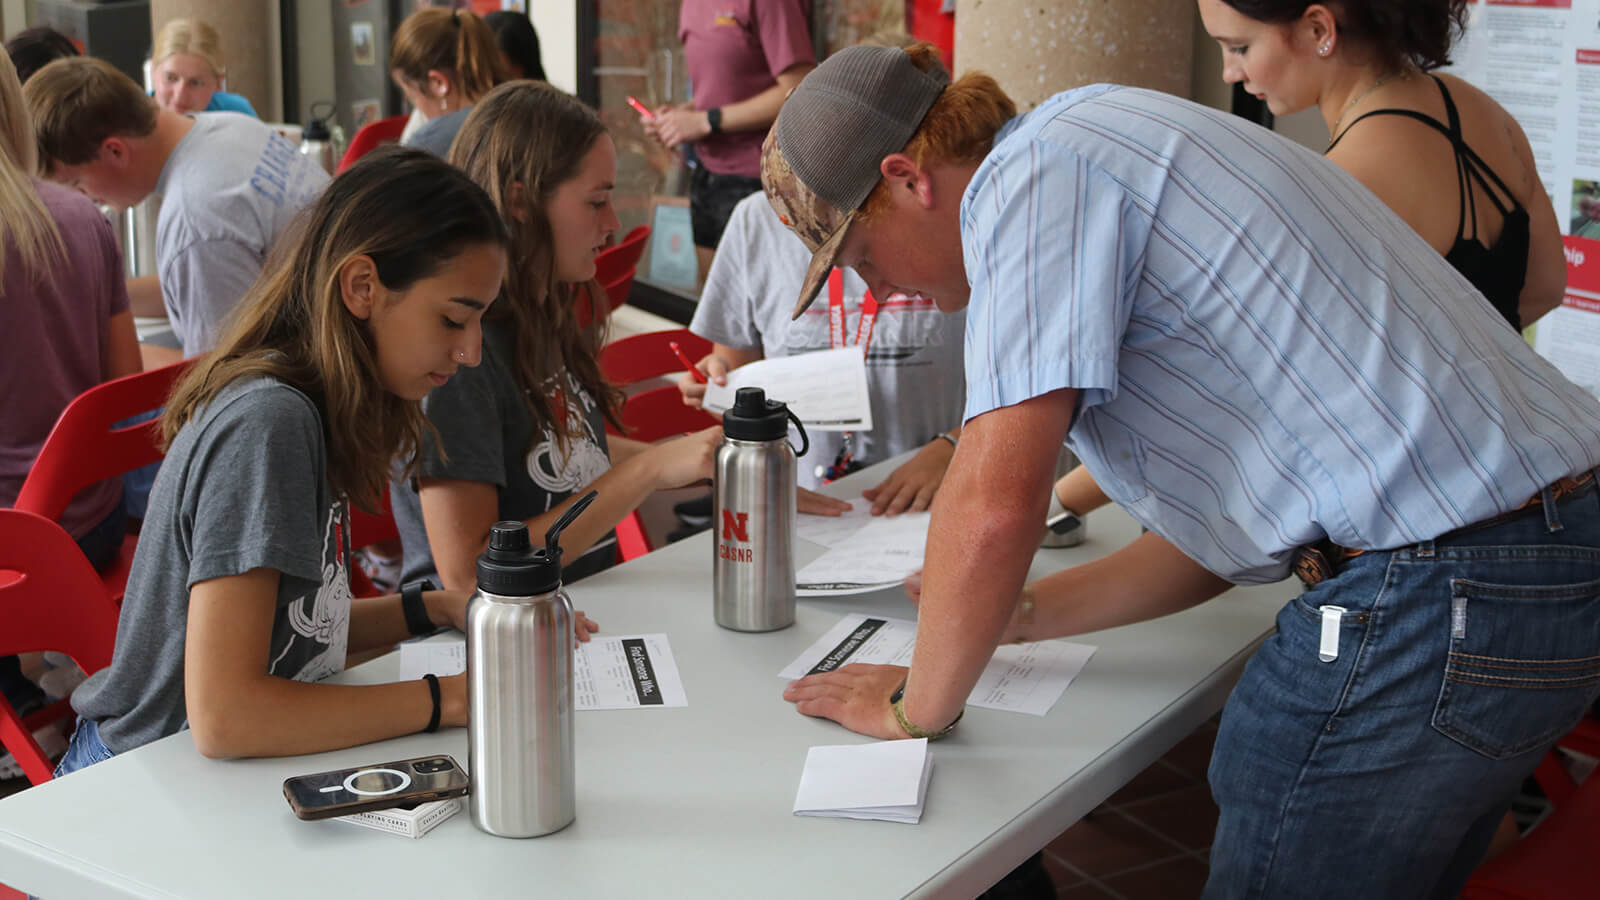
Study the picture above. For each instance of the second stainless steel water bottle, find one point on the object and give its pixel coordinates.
(519, 685)
(316, 139)
(752, 515)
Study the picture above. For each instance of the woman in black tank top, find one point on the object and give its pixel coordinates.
(1340, 57)
(1499, 271)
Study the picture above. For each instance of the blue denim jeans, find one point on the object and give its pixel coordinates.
(136, 483)
(85, 750)
(1383, 772)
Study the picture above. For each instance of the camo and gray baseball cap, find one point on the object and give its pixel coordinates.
(820, 161)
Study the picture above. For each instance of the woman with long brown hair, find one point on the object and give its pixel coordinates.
(524, 433)
(239, 595)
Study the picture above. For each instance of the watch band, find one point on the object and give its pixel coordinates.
(897, 703)
(417, 621)
(714, 119)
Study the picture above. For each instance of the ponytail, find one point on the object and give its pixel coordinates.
(450, 41)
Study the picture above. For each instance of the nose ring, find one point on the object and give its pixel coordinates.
(461, 356)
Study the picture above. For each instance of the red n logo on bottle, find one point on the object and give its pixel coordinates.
(735, 526)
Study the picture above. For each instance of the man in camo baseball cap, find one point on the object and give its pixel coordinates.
(820, 161)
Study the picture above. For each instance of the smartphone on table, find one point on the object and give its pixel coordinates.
(406, 782)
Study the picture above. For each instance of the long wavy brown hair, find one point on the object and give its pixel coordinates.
(410, 213)
(529, 133)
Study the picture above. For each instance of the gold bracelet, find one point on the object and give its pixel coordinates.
(897, 702)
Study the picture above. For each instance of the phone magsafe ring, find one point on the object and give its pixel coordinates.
(363, 782)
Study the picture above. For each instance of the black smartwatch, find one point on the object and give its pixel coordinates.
(417, 621)
(714, 119)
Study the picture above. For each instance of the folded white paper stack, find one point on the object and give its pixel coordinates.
(887, 780)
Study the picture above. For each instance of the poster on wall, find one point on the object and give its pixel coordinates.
(1540, 59)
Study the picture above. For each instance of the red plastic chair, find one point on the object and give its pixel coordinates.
(635, 359)
(1555, 860)
(50, 599)
(652, 414)
(85, 448)
(614, 268)
(622, 257)
(369, 137)
(367, 529)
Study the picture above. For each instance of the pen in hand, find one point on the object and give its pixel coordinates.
(644, 113)
(693, 369)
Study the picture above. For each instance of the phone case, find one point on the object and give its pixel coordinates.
(342, 792)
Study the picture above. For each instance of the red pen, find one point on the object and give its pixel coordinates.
(639, 108)
(693, 369)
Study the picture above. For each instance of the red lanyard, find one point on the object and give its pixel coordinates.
(869, 314)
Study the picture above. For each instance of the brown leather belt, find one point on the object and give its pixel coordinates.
(1316, 563)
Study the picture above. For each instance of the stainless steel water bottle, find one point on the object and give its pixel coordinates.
(519, 684)
(752, 515)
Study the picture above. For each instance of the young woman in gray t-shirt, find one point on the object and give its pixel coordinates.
(524, 433)
(239, 597)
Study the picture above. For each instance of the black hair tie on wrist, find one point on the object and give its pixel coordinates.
(433, 691)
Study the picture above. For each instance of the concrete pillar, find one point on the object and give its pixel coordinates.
(1040, 48)
(249, 30)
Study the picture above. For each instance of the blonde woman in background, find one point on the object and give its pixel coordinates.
(187, 70)
(443, 60)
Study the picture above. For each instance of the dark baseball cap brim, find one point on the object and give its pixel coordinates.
(822, 263)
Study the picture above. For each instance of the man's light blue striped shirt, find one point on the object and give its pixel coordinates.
(1267, 355)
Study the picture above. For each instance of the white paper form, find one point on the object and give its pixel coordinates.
(886, 780)
(831, 531)
(614, 672)
(1024, 678)
(826, 389)
(632, 672)
(880, 554)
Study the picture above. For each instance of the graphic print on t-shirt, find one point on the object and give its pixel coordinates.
(563, 471)
(322, 619)
(906, 327)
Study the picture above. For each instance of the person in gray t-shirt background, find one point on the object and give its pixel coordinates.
(229, 184)
(524, 434)
(239, 596)
(914, 375)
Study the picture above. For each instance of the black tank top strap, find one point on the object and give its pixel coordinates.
(1469, 165)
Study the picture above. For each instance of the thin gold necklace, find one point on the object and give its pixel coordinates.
(1401, 75)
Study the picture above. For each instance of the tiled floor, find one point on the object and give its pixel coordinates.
(1150, 840)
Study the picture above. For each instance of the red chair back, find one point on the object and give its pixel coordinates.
(621, 258)
(653, 414)
(367, 529)
(369, 136)
(633, 359)
(85, 448)
(614, 268)
(659, 413)
(50, 599)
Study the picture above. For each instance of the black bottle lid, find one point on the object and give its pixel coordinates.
(511, 567)
(755, 418)
(316, 128)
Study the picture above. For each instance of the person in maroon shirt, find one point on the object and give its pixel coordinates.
(64, 310)
(744, 57)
